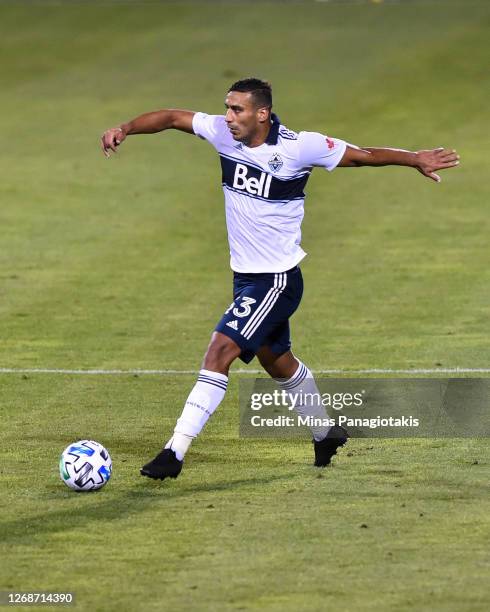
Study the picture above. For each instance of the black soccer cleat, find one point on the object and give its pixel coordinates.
(165, 465)
(325, 449)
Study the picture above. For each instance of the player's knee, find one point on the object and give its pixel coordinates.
(278, 366)
(274, 370)
(221, 353)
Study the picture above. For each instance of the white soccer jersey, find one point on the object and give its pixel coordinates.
(263, 189)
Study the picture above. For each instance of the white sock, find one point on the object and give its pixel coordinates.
(302, 382)
(203, 400)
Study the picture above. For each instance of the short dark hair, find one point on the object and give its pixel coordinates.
(261, 90)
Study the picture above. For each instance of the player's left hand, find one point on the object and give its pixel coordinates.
(428, 162)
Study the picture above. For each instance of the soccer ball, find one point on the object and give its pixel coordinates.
(85, 466)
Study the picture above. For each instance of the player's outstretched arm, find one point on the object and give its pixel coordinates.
(149, 123)
(427, 162)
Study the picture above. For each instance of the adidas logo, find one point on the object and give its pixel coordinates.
(233, 325)
(239, 146)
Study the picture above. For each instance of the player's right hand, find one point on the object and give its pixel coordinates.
(111, 139)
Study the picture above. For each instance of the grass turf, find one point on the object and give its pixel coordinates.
(248, 525)
(123, 264)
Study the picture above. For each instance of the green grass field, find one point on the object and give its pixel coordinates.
(123, 264)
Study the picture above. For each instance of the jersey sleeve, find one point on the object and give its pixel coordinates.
(319, 150)
(209, 127)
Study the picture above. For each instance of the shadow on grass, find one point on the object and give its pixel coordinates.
(135, 500)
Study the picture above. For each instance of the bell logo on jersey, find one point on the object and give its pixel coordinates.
(330, 143)
(254, 186)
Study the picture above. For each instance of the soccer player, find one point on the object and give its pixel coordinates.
(265, 167)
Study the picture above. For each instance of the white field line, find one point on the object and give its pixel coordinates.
(98, 372)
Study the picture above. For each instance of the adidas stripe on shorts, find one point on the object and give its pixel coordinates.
(260, 311)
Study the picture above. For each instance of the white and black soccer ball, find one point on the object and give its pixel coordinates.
(85, 466)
